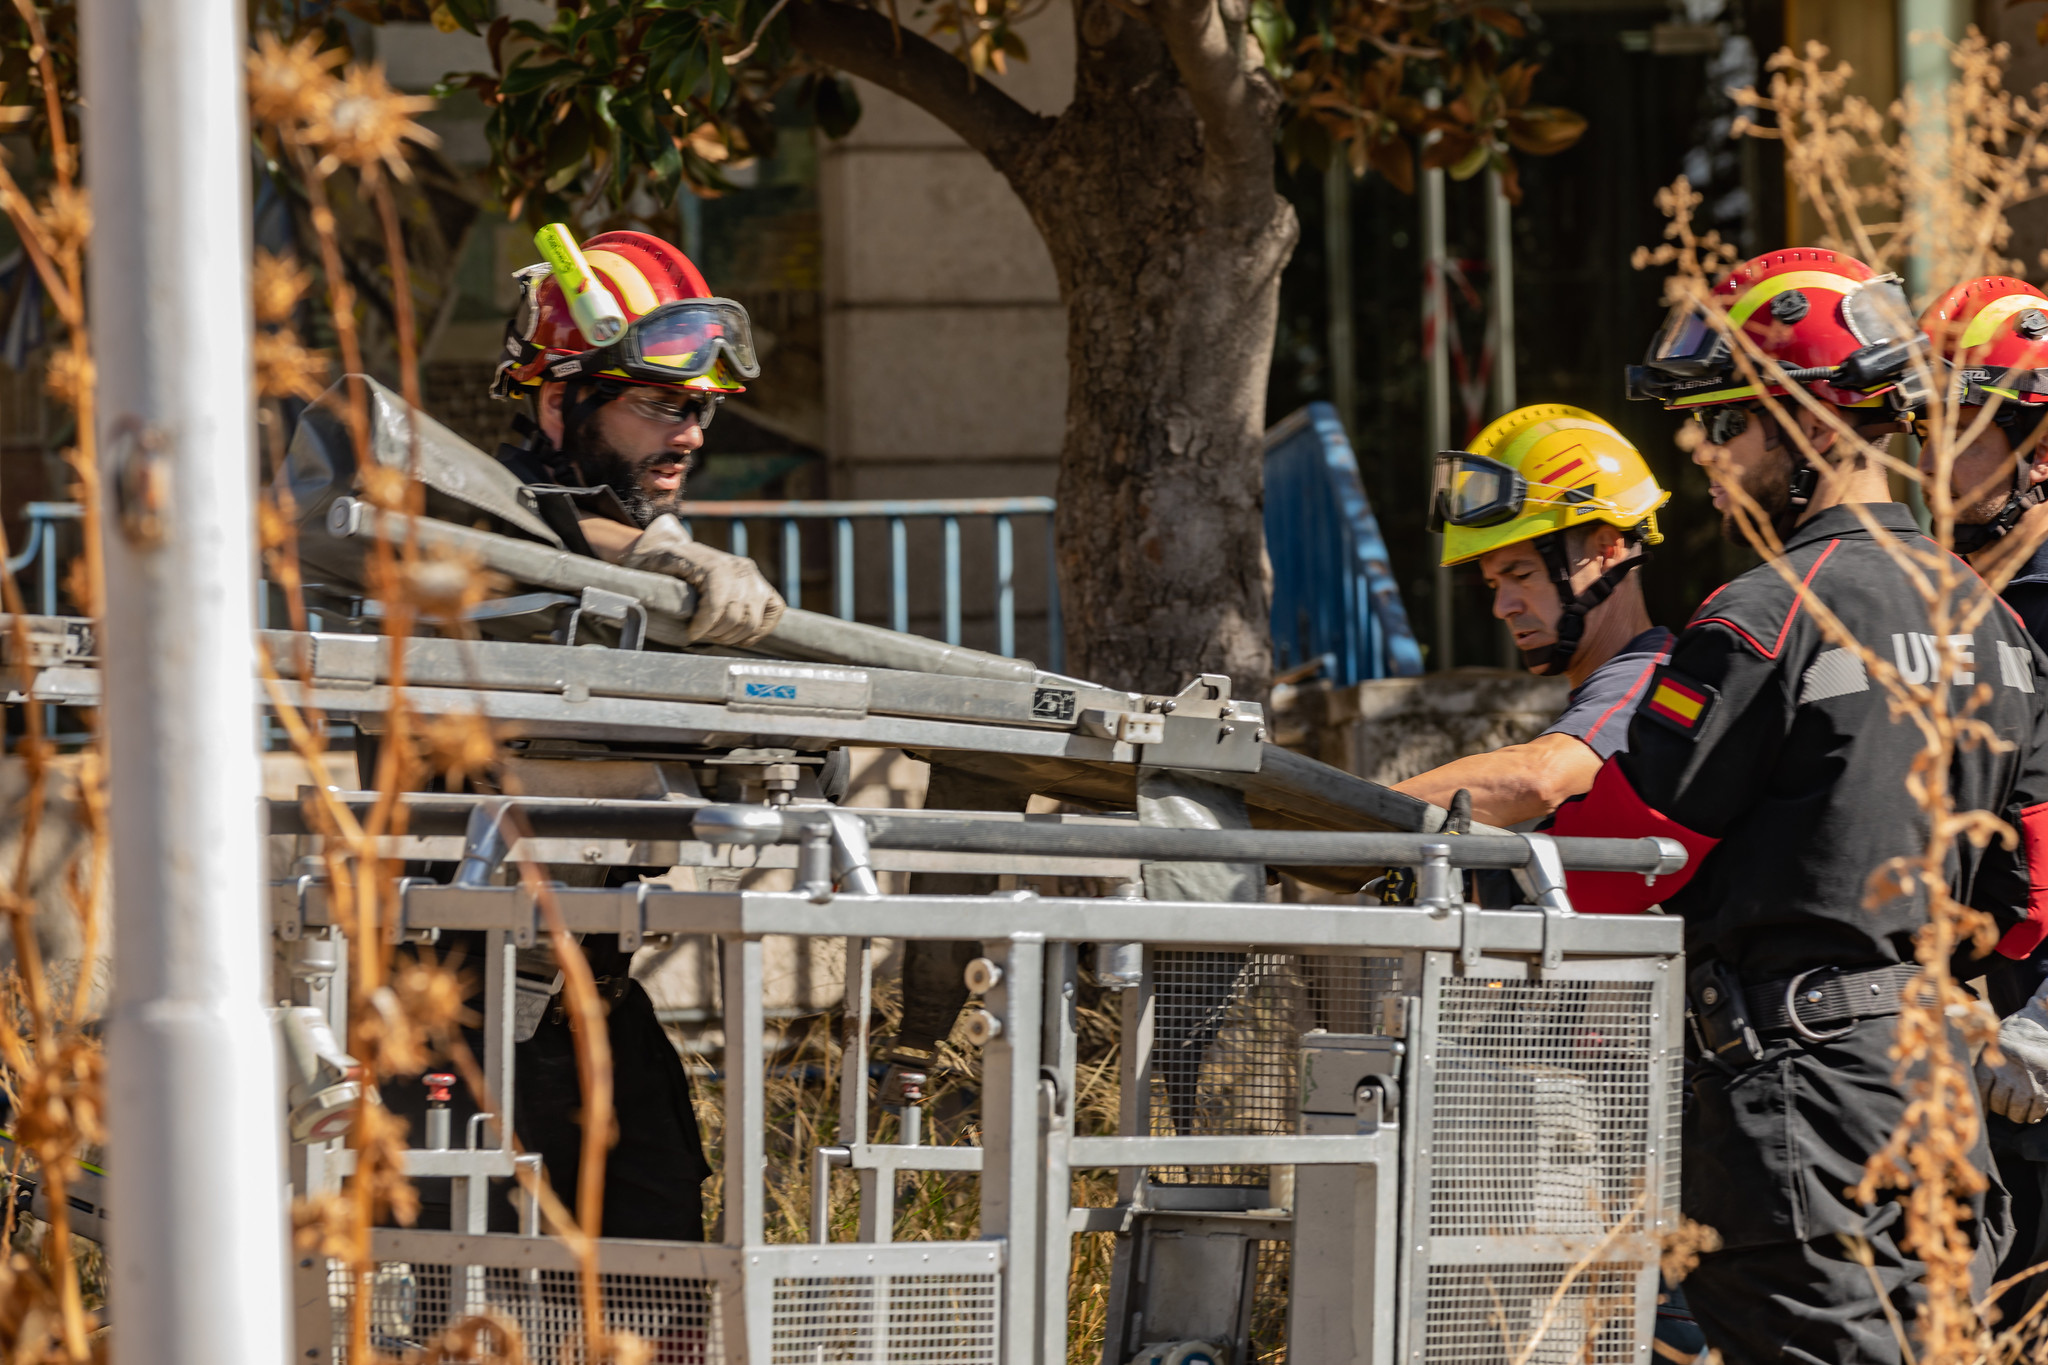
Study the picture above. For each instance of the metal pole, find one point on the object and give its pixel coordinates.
(1337, 273)
(1926, 74)
(1436, 340)
(195, 1144)
(1006, 589)
(842, 580)
(1500, 255)
(792, 563)
(952, 616)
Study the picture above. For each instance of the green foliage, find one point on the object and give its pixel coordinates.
(619, 98)
(614, 99)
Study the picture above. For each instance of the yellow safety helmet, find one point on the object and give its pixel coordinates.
(1538, 470)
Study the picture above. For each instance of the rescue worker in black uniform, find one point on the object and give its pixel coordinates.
(1767, 751)
(612, 431)
(1992, 336)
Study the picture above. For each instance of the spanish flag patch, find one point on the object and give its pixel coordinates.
(1680, 703)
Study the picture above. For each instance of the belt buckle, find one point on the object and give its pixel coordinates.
(1792, 1010)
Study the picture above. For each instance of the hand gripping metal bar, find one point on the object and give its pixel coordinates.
(669, 603)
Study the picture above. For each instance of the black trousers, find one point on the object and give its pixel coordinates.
(2021, 1153)
(652, 1175)
(654, 1172)
(1770, 1152)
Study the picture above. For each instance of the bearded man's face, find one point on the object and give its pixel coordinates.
(641, 452)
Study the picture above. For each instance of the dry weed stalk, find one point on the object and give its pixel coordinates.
(1888, 197)
(319, 119)
(53, 1068)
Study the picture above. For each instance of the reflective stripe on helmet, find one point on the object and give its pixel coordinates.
(1985, 322)
(1764, 290)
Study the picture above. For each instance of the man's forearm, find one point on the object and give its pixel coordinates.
(1508, 786)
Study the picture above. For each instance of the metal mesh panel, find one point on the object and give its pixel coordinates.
(1227, 1032)
(411, 1304)
(1269, 1303)
(1542, 1106)
(823, 1317)
(1495, 1315)
(947, 1319)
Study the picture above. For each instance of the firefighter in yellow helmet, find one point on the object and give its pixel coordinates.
(1557, 508)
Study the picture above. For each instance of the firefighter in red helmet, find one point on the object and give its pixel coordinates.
(1768, 750)
(614, 427)
(1991, 336)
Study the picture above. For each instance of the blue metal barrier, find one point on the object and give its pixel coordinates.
(897, 514)
(1334, 594)
(41, 550)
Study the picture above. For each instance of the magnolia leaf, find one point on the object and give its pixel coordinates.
(1472, 163)
(1543, 130)
(1393, 158)
(1495, 17)
(1450, 147)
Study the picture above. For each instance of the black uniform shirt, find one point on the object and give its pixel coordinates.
(2027, 594)
(1767, 750)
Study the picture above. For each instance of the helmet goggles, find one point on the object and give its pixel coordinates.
(1691, 354)
(672, 344)
(1476, 491)
(1473, 490)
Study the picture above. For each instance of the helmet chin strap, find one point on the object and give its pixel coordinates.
(1970, 539)
(1555, 657)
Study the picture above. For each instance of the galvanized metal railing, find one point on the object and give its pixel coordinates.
(897, 515)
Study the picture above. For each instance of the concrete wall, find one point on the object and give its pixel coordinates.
(1394, 728)
(945, 339)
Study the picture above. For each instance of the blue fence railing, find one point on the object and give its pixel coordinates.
(1334, 594)
(896, 514)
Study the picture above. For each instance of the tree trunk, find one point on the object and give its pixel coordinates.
(1172, 285)
(1154, 191)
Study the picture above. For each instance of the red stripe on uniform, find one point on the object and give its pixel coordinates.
(1626, 697)
(2021, 940)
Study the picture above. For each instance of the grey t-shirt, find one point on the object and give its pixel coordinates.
(1599, 709)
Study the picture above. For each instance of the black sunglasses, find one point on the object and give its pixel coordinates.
(1723, 424)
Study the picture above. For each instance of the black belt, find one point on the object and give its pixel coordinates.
(1826, 998)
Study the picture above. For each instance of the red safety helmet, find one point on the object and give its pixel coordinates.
(677, 334)
(1992, 333)
(1833, 324)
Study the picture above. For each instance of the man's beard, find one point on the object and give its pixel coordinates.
(603, 462)
(1770, 488)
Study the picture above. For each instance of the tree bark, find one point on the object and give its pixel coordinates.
(1154, 191)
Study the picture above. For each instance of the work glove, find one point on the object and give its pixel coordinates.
(735, 604)
(2018, 1086)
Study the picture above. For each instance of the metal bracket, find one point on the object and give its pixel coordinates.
(394, 928)
(610, 606)
(1545, 878)
(1469, 949)
(526, 929)
(851, 863)
(633, 920)
(293, 929)
(1434, 881)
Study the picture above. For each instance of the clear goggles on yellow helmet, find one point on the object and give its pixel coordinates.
(1472, 490)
